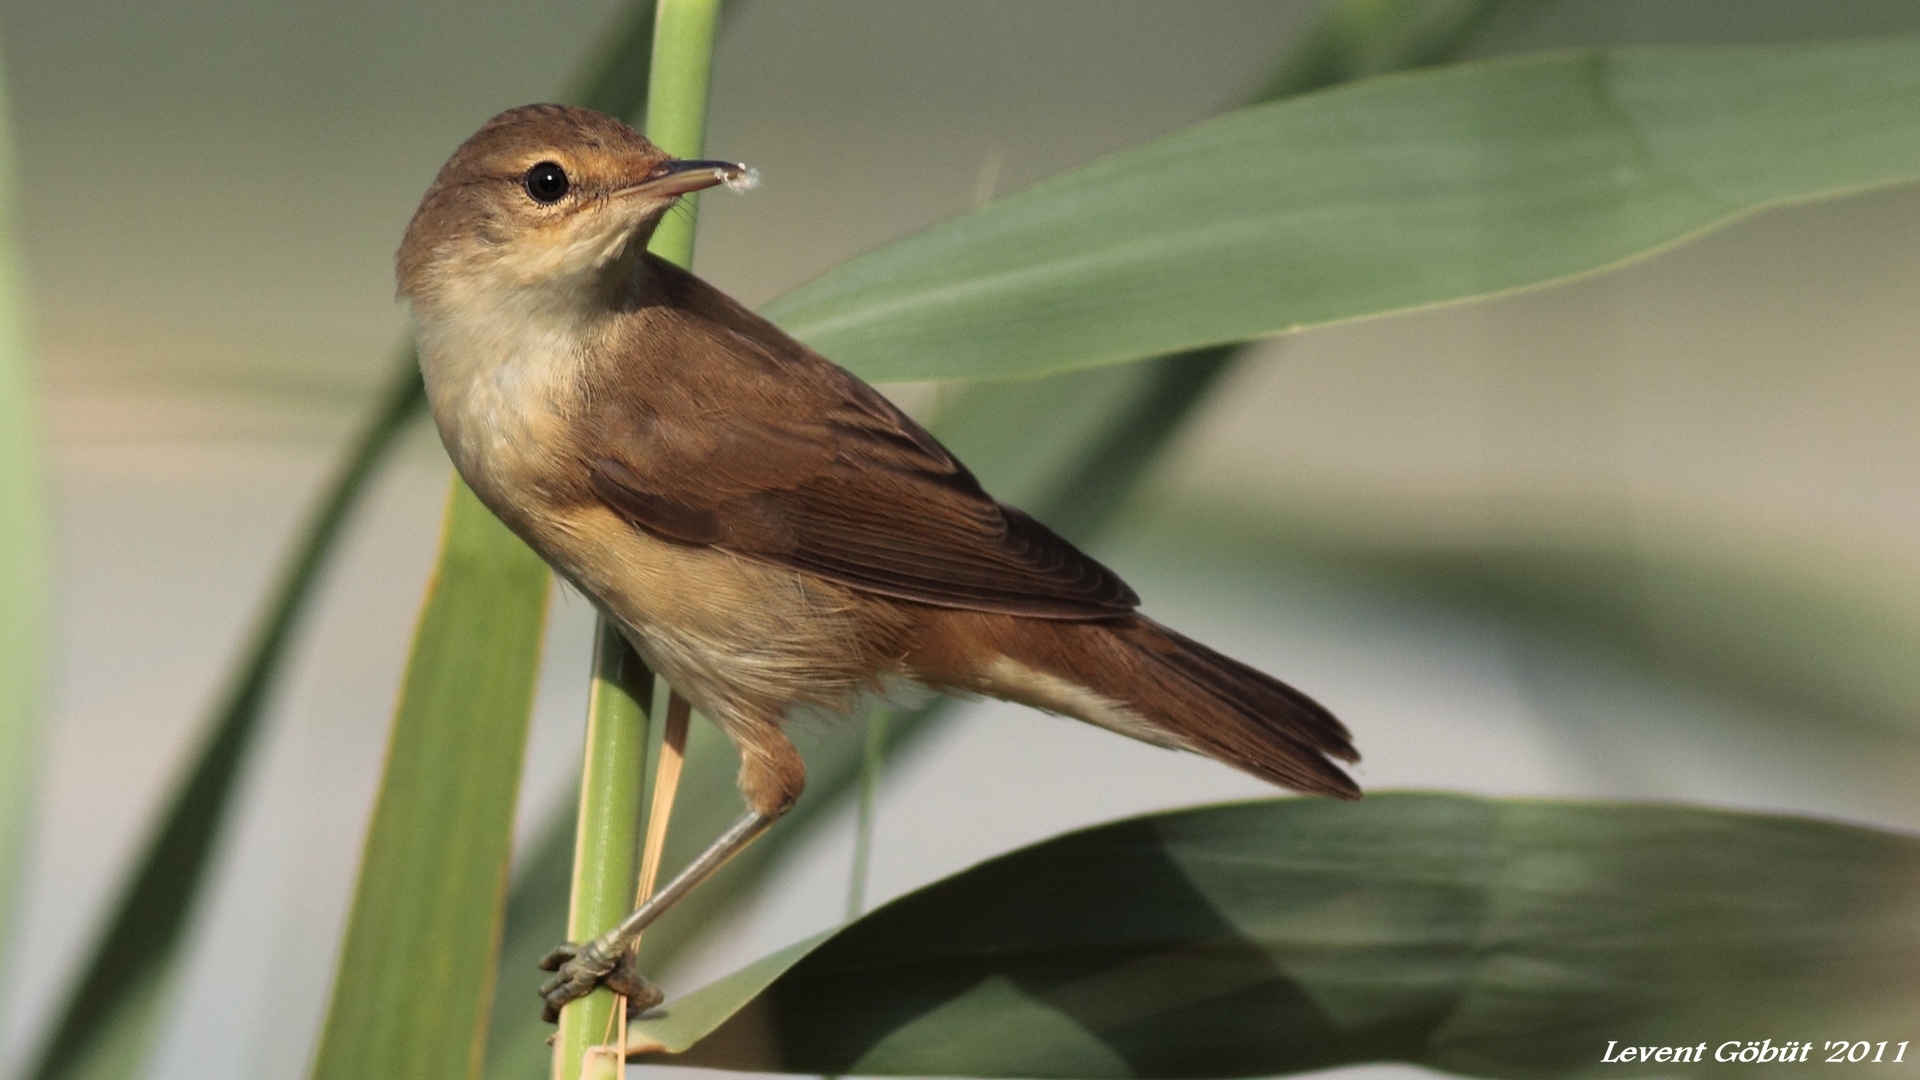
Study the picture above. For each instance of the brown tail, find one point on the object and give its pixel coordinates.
(1192, 696)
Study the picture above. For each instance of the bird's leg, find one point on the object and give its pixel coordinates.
(608, 958)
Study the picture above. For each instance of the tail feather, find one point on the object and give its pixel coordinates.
(1193, 697)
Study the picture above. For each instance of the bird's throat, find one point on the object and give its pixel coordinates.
(501, 373)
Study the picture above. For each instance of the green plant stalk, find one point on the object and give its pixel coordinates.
(24, 554)
(606, 831)
(602, 888)
(683, 36)
(410, 1000)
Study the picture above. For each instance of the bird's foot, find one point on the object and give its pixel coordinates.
(579, 968)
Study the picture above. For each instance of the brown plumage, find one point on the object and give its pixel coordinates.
(766, 529)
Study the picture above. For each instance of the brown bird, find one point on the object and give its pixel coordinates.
(767, 530)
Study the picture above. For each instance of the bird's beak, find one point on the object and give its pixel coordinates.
(677, 177)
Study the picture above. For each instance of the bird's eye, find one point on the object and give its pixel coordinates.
(547, 182)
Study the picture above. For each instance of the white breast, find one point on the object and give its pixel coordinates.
(500, 371)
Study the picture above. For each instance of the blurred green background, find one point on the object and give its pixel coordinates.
(1647, 535)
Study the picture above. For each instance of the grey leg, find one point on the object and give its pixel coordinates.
(579, 968)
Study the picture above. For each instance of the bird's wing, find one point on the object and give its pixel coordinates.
(718, 429)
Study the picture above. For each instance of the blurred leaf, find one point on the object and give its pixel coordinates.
(1072, 445)
(416, 972)
(1506, 938)
(24, 554)
(1358, 39)
(536, 921)
(1381, 196)
(1069, 447)
(117, 998)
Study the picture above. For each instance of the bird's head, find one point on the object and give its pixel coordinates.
(548, 199)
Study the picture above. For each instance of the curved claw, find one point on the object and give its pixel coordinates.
(639, 991)
(578, 969)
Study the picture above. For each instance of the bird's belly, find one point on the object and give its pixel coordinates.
(744, 641)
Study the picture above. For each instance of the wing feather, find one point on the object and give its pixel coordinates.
(719, 429)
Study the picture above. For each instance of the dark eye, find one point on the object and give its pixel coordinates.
(547, 182)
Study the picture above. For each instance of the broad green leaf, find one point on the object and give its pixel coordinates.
(416, 972)
(24, 561)
(1073, 445)
(1386, 195)
(1501, 938)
